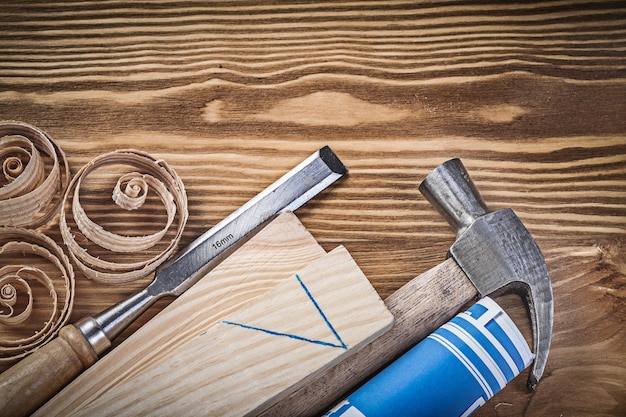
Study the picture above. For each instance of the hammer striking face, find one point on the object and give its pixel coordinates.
(495, 250)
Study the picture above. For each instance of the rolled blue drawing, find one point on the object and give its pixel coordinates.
(452, 372)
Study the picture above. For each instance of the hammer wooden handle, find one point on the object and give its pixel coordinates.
(419, 307)
(31, 382)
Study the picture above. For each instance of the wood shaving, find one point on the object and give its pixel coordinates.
(31, 191)
(21, 333)
(129, 193)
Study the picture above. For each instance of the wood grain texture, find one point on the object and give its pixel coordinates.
(531, 96)
(266, 260)
(233, 371)
(440, 292)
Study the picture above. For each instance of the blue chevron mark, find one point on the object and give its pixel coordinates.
(340, 345)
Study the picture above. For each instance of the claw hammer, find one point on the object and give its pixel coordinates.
(493, 254)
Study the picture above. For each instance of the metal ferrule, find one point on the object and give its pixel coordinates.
(94, 334)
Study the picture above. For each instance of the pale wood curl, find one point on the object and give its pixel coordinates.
(129, 193)
(35, 175)
(18, 283)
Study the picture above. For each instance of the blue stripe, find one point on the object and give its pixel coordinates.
(488, 346)
(473, 357)
(504, 338)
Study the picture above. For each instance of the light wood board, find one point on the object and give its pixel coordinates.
(261, 352)
(268, 258)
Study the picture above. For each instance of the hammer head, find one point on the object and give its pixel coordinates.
(495, 250)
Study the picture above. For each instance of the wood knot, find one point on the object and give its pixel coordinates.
(613, 255)
(504, 113)
(331, 108)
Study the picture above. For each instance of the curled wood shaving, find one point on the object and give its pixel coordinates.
(17, 288)
(31, 191)
(129, 193)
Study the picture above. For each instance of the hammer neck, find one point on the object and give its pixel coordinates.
(452, 192)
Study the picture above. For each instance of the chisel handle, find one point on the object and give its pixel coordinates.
(419, 307)
(35, 379)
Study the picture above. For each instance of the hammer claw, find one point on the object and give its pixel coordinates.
(540, 304)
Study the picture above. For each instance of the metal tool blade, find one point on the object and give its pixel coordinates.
(288, 193)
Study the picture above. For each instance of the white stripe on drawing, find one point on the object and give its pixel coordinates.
(480, 401)
(479, 350)
(465, 361)
(512, 332)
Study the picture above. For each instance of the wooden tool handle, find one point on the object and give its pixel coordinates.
(419, 307)
(38, 377)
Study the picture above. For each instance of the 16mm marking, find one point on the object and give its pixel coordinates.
(223, 242)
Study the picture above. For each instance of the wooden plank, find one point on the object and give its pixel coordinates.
(264, 350)
(420, 307)
(271, 256)
(531, 95)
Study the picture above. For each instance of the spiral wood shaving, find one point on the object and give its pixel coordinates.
(31, 193)
(16, 291)
(129, 193)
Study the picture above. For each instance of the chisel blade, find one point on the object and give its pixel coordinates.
(288, 193)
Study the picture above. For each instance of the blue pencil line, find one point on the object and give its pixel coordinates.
(330, 326)
(292, 336)
(296, 337)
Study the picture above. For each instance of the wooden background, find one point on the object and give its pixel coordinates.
(532, 97)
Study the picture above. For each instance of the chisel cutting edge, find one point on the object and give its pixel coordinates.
(28, 384)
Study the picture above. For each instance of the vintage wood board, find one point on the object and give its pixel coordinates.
(260, 353)
(271, 256)
(531, 95)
